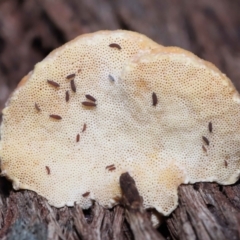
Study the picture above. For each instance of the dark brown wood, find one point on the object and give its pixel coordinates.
(138, 219)
(210, 29)
(205, 212)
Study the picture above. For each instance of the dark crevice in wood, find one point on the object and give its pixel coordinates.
(88, 214)
(2, 44)
(123, 24)
(163, 229)
(38, 46)
(190, 30)
(29, 31)
(59, 35)
(5, 187)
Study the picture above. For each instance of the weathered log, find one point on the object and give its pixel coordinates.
(136, 215)
(205, 212)
(31, 29)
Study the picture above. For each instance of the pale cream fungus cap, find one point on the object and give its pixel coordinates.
(115, 101)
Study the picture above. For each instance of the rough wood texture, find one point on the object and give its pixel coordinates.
(135, 214)
(29, 30)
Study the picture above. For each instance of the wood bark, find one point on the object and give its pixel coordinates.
(136, 215)
(29, 30)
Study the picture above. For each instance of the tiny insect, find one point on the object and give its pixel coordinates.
(77, 138)
(86, 194)
(154, 99)
(111, 169)
(111, 78)
(37, 107)
(91, 98)
(57, 117)
(67, 96)
(70, 76)
(204, 148)
(205, 140)
(89, 104)
(54, 84)
(73, 86)
(48, 170)
(84, 127)
(115, 45)
(225, 163)
(79, 70)
(210, 127)
(109, 166)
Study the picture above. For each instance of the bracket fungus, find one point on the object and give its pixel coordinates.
(113, 102)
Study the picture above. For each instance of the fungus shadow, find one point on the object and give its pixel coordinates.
(5, 187)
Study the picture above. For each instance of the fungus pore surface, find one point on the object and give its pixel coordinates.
(115, 101)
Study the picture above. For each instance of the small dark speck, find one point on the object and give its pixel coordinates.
(54, 84)
(48, 170)
(57, 117)
(110, 166)
(111, 78)
(37, 107)
(225, 163)
(115, 45)
(67, 96)
(210, 127)
(154, 99)
(89, 104)
(204, 148)
(73, 86)
(205, 140)
(77, 138)
(84, 127)
(86, 194)
(91, 98)
(111, 169)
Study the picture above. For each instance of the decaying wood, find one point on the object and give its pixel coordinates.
(139, 222)
(206, 212)
(209, 29)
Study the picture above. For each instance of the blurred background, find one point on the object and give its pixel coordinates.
(30, 29)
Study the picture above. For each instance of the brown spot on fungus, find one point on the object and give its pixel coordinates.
(54, 84)
(154, 99)
(160, 145)
(110, 169)
(205, 140)
(54, 116)
(115, 45)
(111, 78)
(109, 166)
(67, 96)
(84, 127)
(86, 194)
(77, 138)
(89, 104)
(204, 148)
(210, 127)
(70, 76)
(37, 107)
(91, 98)
(73, 86)
(48, 170)
(225, 163)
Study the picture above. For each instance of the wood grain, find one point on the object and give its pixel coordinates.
(29, 30)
